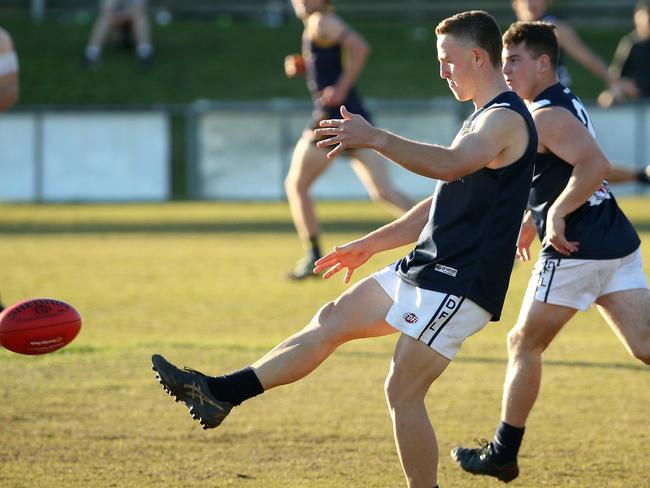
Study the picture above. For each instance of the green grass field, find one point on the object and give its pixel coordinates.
(202, 283)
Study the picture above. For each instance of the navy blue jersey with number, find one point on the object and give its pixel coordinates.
(598, 225)
(467, 248)
(323, 66)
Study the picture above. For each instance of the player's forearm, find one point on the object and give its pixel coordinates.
(427, 160)
(593, 63)
(584, 181)
(402, 231)
(352, 71)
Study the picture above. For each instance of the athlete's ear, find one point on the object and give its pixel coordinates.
(478, 55)
(544, 63)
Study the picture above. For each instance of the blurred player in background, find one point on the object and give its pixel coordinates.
(8, 76)
(590, 251)
(632, 61)
(568, 39)
(8, 71)
(327, 40)
(131, 18)
(448, 288)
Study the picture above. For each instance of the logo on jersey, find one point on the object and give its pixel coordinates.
(600, 195)
(446, 270)
(411, 318)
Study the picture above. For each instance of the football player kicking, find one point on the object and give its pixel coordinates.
(449, 287)
(590, 251)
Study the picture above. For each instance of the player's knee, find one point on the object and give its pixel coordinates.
(328, 328)
(515, 341)
(392, 388)
(400, 391)
(519, 344)
(380, 194)
(294, 186)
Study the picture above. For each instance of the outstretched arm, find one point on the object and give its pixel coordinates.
(402, 231)
(492, 139)
(578, 50)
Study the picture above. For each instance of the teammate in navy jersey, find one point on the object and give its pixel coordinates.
(331, 82)
(448, 288)
(590, 251)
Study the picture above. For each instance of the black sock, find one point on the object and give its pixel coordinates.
(314, 247)
(642, 177)
(236, 387)
(506, 443)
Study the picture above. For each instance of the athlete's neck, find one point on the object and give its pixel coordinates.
(541, 85)
(491, 86)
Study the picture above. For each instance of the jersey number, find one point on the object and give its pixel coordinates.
(584, 117)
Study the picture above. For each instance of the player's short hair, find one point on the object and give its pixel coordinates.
(538, 37)
(478, 27)
(642, 5)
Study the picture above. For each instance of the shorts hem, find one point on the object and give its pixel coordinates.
(565, 303)
(445, 354)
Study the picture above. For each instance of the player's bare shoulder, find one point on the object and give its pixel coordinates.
(325, 27)
(555, 124)
(6, 45)
(509, 130)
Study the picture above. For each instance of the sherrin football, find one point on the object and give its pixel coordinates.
(38, 326)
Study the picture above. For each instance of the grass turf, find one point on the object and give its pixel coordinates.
(201, 283)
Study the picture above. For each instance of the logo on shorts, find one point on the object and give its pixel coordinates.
(411, 318)
(446, 270)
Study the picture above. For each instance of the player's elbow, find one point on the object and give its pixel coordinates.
(449, 173)
(604, 167)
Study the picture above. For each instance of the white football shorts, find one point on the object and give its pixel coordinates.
(577, 283)
(441, 320)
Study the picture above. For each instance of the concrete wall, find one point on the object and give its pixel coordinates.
(237, 151)
(245, 154)
(84, 156)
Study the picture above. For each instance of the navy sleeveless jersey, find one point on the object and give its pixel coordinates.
(467, 247)
(598, 225)
(323, 66)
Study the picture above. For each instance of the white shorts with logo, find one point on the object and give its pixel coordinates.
(577, 283)
(441, 320)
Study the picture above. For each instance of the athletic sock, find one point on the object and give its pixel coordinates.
(506, 443)
(93, 52)
(236, 387)
(144, 50)
(643, 177)
(314, 247)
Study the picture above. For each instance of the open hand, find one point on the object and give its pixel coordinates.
(349, 132)
(350, 256)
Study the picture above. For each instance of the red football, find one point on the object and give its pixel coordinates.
(38, 326)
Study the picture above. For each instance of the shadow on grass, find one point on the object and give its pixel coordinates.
(504, 361)
(239, 348)
(207, 227)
